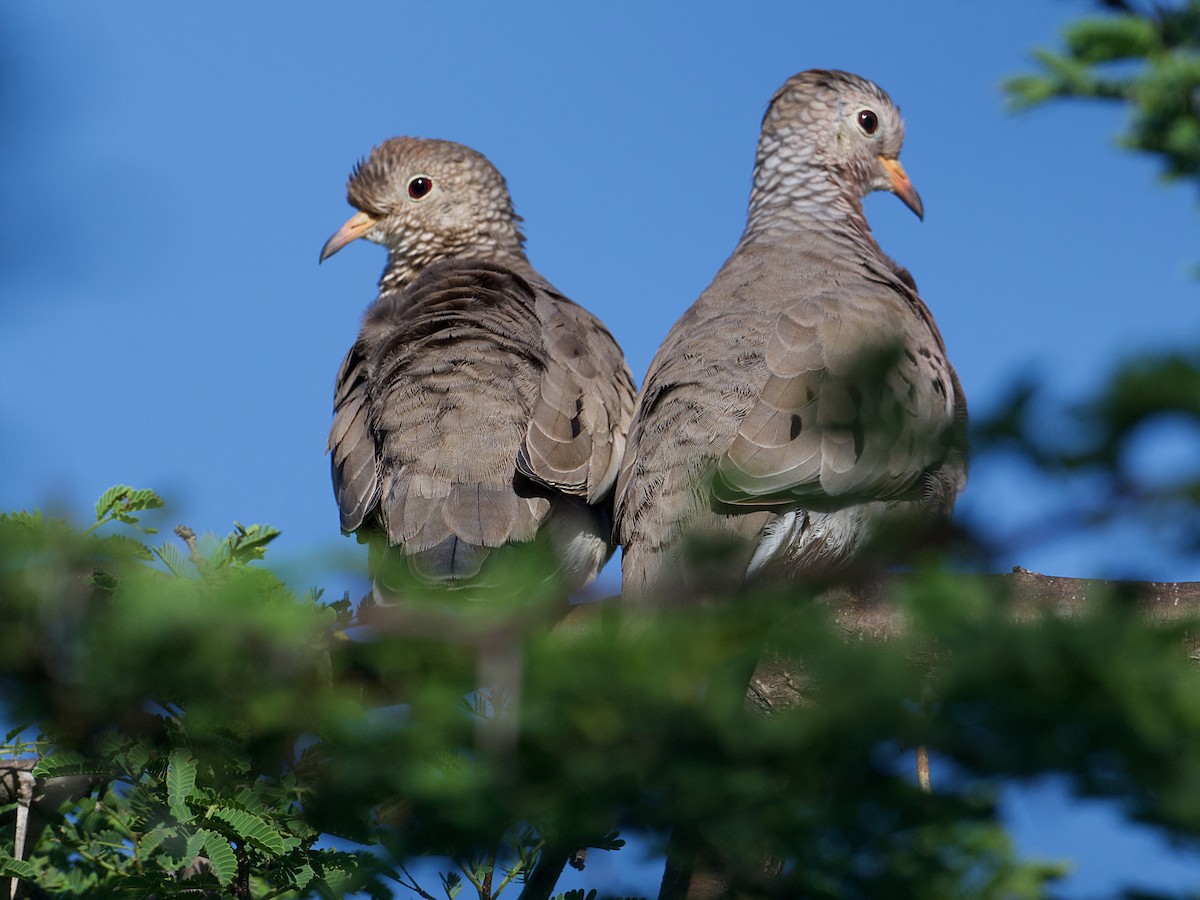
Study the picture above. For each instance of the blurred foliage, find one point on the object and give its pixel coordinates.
(216, 735)
(1094, 454)
(1146, 57)
(176, 691)
(1148, 403)
(224, 725)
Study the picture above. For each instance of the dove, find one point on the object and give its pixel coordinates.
(478, 407)
(805, 402)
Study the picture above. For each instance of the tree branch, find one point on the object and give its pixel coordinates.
(865, 612)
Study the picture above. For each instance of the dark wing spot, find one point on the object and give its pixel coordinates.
(795, 429)
(860, 438)
(576, 425)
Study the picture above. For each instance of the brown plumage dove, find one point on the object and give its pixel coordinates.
(479, 407)
(805, 399)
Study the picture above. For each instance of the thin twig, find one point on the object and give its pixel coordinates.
(424, 895)
(923, 780)
(25, 783)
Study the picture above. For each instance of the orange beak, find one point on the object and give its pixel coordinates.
(357, 225)
(902, 187)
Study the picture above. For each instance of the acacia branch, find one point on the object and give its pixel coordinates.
(866, 612)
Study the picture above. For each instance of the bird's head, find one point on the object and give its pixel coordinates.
(426, 200)
(841, 124)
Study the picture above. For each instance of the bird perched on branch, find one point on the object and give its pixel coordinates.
(479, 407)
(805, 400)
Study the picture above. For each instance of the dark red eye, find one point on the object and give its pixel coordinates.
(868, 121)
(419, 187)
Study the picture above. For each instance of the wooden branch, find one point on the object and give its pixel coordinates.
(10, 779)
(36, 799)
(48, 793)
(864, 612)
(542, 880)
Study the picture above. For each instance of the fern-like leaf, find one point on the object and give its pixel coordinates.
(13, 732)
(16, 868)
(181, 784)
(302, 876)
(33, 521)
(1105, 40)
(173, 559)
(250, 543)
(123, 545)
(120, 502)
(220, 856)
(195, 844)
(109, 500)
(153, 839)
(143, 499)
(66, 762)
(252, 829)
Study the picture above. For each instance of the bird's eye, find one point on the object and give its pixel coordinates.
(868, 121)
(420, 186)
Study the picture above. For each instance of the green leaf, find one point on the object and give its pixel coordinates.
(169, 862)
(302, 876)
(143, 499)
(120, 502)
(250, 543)
(17, 868)
(137, 757)
(220, 855)
(610, 841)
(110, 499)
(173, 559)
(124, 545)
(153, 839)
(103, 581)
(452, 884)
(1105, 40)
(33, 521)
(195, 844)
(67, 762)
(248, 801)
(251, 828)
(181, 784)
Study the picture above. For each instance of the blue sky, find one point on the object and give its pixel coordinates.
(171, 172)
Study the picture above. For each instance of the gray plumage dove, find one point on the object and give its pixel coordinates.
(805, 400)
(479, 407)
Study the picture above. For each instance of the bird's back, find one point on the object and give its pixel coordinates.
(439, 393)
(803, 378)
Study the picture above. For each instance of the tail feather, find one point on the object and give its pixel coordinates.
(451, 560)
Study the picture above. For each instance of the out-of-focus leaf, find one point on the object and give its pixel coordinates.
(181, 784)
